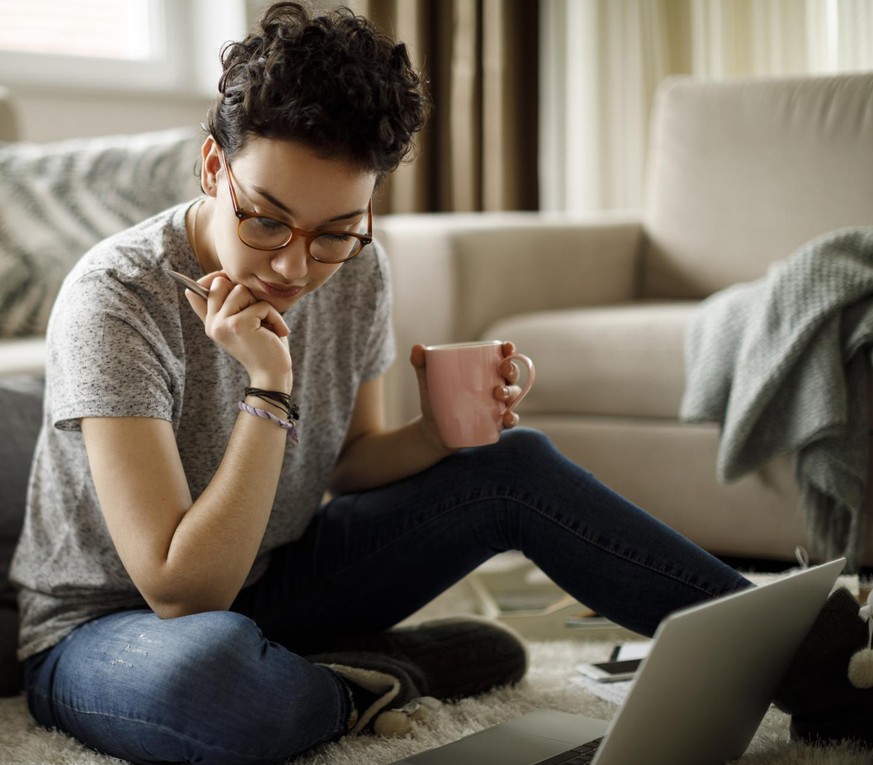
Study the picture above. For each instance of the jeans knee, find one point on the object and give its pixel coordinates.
(206, 655)
(526, 439)
(242, 688)
(201, 688)
(214, 639)
(525, 446)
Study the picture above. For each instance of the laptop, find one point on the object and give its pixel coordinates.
(698, 697)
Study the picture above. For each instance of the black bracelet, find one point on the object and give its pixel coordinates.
(282, 400)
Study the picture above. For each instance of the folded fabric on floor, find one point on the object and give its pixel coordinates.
(782, 363)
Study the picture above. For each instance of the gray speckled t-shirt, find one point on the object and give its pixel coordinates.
(123, 342)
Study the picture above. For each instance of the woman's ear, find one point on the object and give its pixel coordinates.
(210, 166)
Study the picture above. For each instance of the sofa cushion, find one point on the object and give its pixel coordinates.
(57, 200)
(744, 171)
(20, 419)
(618, 360)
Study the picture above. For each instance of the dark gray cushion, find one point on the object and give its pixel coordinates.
(11, 680)
(20, 419)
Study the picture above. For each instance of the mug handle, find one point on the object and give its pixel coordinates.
(528, 384)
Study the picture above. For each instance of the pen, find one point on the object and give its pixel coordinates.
(188, 283)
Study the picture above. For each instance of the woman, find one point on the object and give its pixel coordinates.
(187, 592)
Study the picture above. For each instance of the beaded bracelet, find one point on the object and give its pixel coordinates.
(289, 425)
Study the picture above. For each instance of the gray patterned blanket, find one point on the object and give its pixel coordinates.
(782, 363)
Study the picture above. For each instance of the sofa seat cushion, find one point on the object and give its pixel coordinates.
(624, 360)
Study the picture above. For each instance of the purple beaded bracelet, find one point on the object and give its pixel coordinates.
(289, 425)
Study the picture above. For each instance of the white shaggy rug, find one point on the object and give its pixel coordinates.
(552, 663)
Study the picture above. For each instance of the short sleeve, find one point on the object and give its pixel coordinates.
(107, 356)
(381, 345)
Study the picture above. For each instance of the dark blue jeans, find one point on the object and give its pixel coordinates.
(231, 687)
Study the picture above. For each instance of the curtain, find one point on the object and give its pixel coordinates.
(600, 69)
(603, 60)
(480, 148)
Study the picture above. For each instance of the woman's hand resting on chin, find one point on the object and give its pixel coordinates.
(250, 330)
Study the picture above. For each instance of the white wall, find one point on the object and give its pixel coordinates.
(48, 115)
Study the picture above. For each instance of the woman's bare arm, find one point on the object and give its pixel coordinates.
(184, 556)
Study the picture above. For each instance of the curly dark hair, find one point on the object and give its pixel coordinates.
(331, 81)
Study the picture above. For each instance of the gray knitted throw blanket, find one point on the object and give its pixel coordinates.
(782, 363)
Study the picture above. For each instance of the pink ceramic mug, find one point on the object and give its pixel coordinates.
(461, 378)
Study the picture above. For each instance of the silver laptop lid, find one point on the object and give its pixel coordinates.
(712, 672)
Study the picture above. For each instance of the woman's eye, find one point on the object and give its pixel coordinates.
(268, 224)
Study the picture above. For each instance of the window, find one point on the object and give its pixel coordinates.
(87, 28)
(158, 45)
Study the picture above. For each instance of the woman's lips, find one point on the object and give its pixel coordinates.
(284, 291)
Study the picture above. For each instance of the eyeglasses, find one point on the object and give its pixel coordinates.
(263, 233)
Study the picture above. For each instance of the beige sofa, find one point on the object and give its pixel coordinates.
(740, 174)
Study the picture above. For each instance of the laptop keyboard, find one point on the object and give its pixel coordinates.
(578, 755)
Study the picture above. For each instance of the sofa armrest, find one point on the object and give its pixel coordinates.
(550, 265)
(454, 274)
(461, 272)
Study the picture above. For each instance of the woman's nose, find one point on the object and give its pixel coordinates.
(292, 261)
